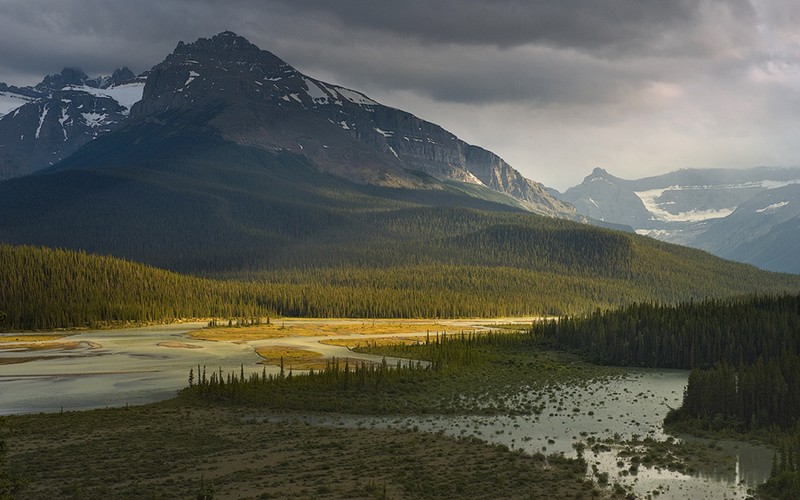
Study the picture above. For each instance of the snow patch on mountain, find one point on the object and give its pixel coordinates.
(41, 121)
(778, 184)
(315, 92)
(10, 102)
(126, 95)
(63, 120)
(773, 208)
(191, 77)
(94, 120)
(354, 97)
(649, 199)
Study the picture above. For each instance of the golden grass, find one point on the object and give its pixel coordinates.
(305, 328)
(300, 359)
(360, 342)
(34, 346)
(6, 339)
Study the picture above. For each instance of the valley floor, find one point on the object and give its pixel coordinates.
(169, 450)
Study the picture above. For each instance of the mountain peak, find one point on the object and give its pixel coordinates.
(249, 96)
(232, 46)
(68, 76)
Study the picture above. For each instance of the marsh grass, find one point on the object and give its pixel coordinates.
(169, 450)
(360, 343)
(456, 374)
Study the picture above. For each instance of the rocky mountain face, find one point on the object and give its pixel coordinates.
(46, 123)
(604, 197)
(252, 97)
(735, 214)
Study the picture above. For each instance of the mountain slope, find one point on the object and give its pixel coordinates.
(764, 230)
(197, 181)
(194, 202)
(252, 97)
(59, 115)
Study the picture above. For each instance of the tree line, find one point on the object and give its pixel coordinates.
(687, 335)
(744, 354)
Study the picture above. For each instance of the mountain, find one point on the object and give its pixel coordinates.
(764, 230)
(259, 100)
(606, 198)
(692, 207)
(264, 102)
(46, 123)
(232, 166)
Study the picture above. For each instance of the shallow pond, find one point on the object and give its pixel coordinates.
(625, 407)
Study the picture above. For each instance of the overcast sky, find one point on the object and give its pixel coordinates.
(557, 87)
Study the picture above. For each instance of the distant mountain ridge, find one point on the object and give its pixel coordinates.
(45, 123)
(733, 213)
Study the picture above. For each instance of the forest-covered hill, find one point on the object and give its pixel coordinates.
(42, 288)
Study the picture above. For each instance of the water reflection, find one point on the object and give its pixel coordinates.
(627, 407)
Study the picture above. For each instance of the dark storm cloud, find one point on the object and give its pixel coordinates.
(599, 26)
(40, 34)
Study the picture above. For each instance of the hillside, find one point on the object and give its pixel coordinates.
(403, 261)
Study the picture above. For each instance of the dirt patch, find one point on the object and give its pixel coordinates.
(23, 338)
(35, 346)
(27, 359)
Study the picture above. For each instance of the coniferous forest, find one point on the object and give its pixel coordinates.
(744, 353)
(44, 288)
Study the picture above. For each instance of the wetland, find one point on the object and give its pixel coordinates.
(533, 415)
